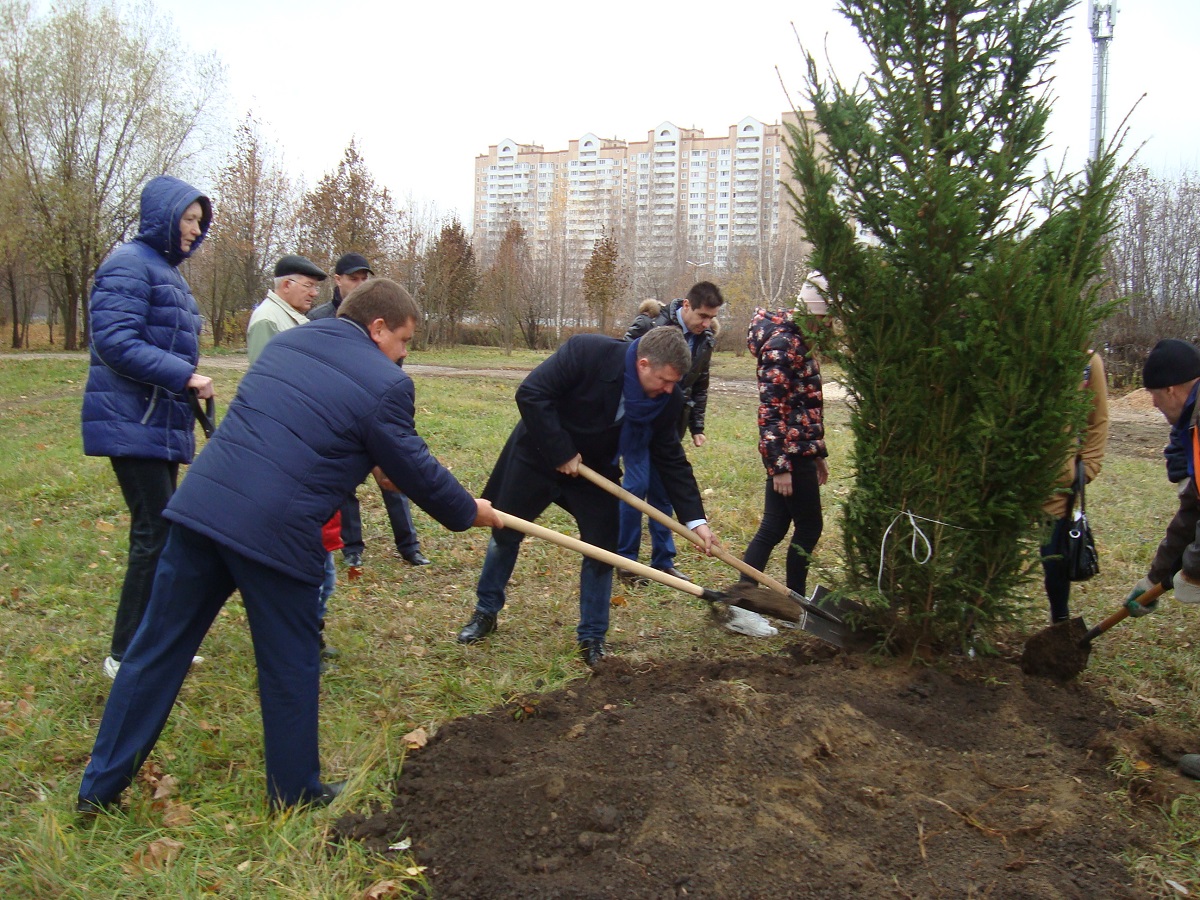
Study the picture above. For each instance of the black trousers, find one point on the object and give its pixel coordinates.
(147, 485)
(801, 510)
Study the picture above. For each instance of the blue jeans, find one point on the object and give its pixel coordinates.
(525, 491)
(147, 485)
(327, 586)
(195, 577)
(641, 479)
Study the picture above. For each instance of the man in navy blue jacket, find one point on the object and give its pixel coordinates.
(321, 407)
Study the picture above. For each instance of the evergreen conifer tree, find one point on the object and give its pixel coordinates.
(964, 287)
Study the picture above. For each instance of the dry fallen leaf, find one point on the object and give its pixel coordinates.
(106, 527)
(618, 600)
(205, 725)
(166, 787)
(1153, 701)
(416, 739)
(386, 888)
(401, 845)
(243, 866)
(353, 573)
(157, 854)
(177, 814)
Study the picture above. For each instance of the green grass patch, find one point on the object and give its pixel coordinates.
(63, 541)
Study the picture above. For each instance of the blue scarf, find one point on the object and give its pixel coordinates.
(1179, 449)
(640, 410)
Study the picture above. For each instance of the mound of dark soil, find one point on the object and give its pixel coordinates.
(777, 777)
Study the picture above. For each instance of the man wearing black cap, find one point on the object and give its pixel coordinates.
(297, 282)
(1172, 376)
(352, 269)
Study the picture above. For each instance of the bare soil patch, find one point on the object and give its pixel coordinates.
(809, 773)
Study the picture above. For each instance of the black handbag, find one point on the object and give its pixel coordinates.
(1079, 547)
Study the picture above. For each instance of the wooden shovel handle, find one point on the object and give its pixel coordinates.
(602, 555)
(1121, 614)
(682, 530)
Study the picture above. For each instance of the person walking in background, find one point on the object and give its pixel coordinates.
(791, 430)
(1091, 453)
(593, 398)
(696, 317)
(297, 282)
(145, 346)
(248, 517)
(352, 270)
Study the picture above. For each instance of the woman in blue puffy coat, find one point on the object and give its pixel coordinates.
(145, 345)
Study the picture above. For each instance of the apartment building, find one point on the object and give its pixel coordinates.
(678, 195)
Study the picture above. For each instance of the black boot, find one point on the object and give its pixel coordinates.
(481, 625)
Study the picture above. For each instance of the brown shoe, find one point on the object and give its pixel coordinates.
(671, 570)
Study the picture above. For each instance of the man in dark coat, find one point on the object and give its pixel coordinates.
(594, 398)
(696, 318)
(322, 406)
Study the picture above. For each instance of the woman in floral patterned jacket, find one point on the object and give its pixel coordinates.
(791, 433)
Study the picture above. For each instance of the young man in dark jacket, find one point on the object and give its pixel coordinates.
(695, 316)
(321, 407)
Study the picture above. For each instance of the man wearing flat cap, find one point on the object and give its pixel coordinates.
(351, 270)
(297, 283)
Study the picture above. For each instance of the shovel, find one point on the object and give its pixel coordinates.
(719, 552)
(720, 601)
(1061, 651)
(206, 415)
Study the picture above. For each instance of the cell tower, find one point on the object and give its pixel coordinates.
(1101, 15)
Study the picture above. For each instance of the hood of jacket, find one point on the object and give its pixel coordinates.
(765, 324)
(164, 201)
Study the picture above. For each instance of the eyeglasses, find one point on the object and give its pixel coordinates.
(307, 285)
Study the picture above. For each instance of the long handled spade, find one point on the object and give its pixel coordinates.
(1061, 653)
(818, 627)
(787, 613)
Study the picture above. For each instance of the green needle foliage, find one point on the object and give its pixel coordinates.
(966, 311)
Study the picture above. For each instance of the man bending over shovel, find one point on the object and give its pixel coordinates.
(1172, 376)
(594, 398)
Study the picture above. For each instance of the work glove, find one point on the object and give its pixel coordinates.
(1131, 602)
(1186, 591)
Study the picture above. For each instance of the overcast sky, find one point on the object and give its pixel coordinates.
(426, 86)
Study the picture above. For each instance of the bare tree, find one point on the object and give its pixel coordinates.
(257, 203)
(98, 102)
(450, 279)
(348, 211)
(508, 293)
(604, 281)
(1153, 266)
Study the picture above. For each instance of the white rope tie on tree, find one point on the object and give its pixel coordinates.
(917, 534)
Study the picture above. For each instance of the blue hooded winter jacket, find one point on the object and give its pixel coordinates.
(145, 336)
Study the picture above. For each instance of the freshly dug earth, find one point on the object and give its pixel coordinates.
(806, 774)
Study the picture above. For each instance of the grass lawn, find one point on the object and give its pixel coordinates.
(62, 554)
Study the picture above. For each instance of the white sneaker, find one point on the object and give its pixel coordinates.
(111, 665)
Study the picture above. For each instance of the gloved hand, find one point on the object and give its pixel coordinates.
(1136, 610)
(1186, 590)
